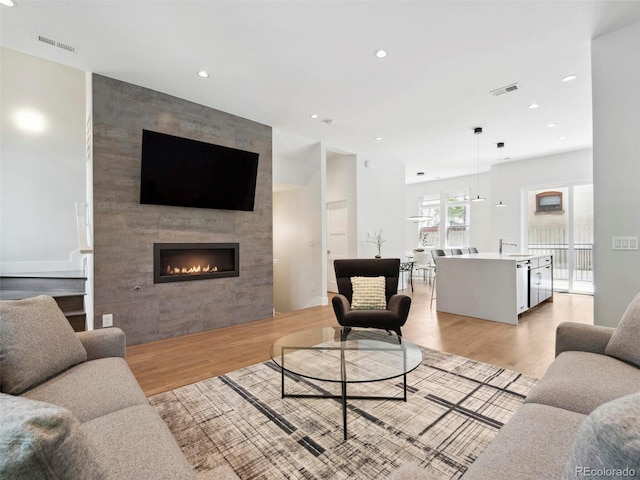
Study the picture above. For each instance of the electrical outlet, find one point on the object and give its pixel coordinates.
(107, 320)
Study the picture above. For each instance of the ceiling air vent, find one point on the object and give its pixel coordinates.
(502, 90)
(55, 43)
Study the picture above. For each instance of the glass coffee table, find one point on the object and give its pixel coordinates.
(345, 355)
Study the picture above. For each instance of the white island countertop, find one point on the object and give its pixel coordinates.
(489, 286)
(496, 256)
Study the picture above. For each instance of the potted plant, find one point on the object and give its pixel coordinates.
(377, 239)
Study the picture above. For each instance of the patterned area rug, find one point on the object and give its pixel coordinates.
(454, 408)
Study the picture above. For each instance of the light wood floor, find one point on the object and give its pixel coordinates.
(528, 348)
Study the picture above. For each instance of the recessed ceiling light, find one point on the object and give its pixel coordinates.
(203, 74)
(378, 138)
(381, 53)
(550, 125)
(562, 138)
(314, 115)
(533, 106)
(569, 78)
(8, 3)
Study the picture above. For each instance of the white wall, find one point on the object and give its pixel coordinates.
(42, 174)
(616, 150)
(489, 224)
(306, 178)
(381, 197)
(341, 186)
(537, 173)
(299, 222)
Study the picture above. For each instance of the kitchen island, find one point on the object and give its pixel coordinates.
(492, 286)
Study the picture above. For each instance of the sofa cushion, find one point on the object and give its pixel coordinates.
(368, 293)
(136, 443)
(37, 342)
(43, 441)
(582, 381)
(92, 389)
(533, 445)
(625, 341)
(608, 441)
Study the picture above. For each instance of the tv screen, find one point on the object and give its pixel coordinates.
(188, 173)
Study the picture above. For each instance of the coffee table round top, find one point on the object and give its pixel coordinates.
(336, 354)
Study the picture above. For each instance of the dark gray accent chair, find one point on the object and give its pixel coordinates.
(398, 305)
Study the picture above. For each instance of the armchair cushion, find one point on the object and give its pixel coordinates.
(625, 341)
(43, 441)
(37, 342)
(368, 293)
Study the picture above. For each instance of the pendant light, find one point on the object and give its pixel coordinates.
(478, 131)
(500, 146)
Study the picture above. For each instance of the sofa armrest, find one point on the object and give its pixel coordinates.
(104, 342)
(581, 337)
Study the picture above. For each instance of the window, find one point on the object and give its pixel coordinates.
(429, 226)
(549, 202)
(457, 222)
(458, 225)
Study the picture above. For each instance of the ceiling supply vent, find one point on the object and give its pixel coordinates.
(55, 43)
(502, 90)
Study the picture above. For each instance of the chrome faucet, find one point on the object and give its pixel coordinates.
(502, 242)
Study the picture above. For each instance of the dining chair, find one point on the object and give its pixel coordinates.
(435, 254)
(473, 250)
(422, 263)
(456, 251)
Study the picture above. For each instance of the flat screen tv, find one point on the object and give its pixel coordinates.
(187, 173)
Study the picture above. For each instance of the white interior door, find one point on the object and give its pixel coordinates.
(337, 239)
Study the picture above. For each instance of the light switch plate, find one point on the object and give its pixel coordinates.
(625, 243)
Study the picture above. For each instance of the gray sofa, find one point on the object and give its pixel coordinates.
(71, 408)
(582, 418)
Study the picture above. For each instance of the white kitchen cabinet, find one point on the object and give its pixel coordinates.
(541, 281)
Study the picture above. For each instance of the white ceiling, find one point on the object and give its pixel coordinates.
(276, 62)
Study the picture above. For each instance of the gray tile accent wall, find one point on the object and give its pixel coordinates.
(125, 231)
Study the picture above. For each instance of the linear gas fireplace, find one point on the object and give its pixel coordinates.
(180, 262)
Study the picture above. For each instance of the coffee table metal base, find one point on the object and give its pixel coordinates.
(343, 397)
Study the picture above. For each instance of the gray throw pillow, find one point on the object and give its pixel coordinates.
(625, 341)
(607, 444)
(36, 343)
(41, 441)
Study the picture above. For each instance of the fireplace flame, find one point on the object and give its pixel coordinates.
(190, 270)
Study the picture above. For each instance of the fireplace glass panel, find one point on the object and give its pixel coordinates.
(185, 262)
